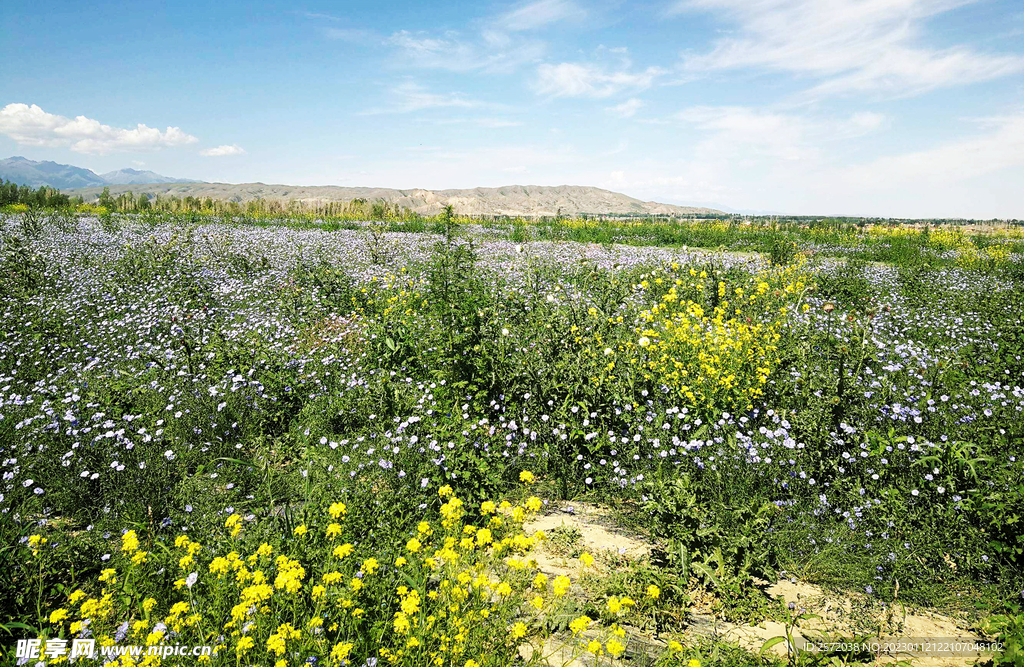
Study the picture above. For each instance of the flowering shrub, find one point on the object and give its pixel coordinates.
(991, 257)
(461, 591)
(717, 357)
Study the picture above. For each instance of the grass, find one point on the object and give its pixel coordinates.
(229, 381)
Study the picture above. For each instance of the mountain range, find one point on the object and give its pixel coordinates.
(509, 200)
(65, 176)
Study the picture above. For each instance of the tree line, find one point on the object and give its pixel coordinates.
(42, 197)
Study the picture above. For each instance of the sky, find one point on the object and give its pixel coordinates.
(892, 108)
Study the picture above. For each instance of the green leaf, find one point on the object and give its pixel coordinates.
(774, 641)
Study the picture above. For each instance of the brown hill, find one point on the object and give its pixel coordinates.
(510, 200)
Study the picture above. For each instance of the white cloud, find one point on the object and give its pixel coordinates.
(495, 44)
(627, 109)
(492, 51)
(749, 132)
(355, 35)
(31, 126)
(951, 163)
(538, 14)
(850, 46)
(224, 150)
(588, 80)
(410, 96)
(486, 122)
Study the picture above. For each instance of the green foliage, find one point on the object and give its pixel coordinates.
(719, 542)
(1008, 632)
(848, 286)
(781, 250)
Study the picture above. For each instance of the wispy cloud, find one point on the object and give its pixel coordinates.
(750, 133)
(223, 151)
(489, 51)
(534, 15)
(31, 126)
(498, 43)
(595, 80)
(850, 46)
(627, 109)
(355, 35)
(485, 122)
(410, 96)
(319, 16)
(1000, 146)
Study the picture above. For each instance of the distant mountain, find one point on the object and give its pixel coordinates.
(135, 177)
(35, 174)
(510, 200)
(66, 177)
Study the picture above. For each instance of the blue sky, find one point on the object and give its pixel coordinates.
(868, 107)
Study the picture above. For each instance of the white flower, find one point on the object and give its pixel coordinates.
(644, 341)
(191, 579)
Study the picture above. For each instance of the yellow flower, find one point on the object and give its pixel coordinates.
(334, 530)
(537, 602)
(445, 491)
(694, 662)
(75, 597)
(413, 545)
(244, 644)
(234, 522)
(300, 530)
(400, 561)
(587, 560)
(561, 585)
(504, 589)
(615, 648)
(129, 542)
(148, 604)
(580, 624)
(674, 646)
(58, 616)
(594, 647)
(343, 550)
(220, 565)
(653, 592)
(341, 650)
(526, 477)
(519, 630)
(337, 510)
(370, 565)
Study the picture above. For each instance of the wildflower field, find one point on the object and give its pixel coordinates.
(333, 444)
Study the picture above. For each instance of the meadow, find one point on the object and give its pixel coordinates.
(331, 442)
